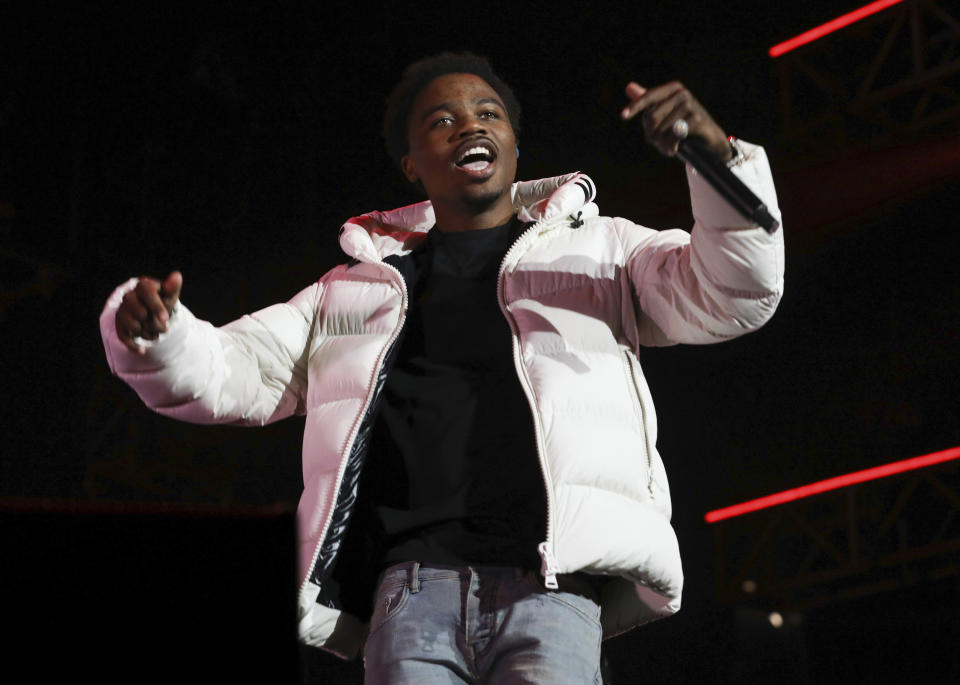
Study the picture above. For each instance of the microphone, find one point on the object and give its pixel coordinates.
(731, 188)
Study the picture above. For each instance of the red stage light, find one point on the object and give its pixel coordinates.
(831, 26)
(832, 484)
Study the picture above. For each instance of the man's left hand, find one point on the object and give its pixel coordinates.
(660, 107)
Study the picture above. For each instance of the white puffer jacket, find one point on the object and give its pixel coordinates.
(581, 292)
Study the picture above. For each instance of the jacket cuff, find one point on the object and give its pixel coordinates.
(711, 209)
(119, 357)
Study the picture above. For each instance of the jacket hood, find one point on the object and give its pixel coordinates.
(373, 236)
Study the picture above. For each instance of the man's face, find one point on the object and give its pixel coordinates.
(462, 146)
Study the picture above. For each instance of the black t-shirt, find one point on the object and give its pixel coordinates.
(453, 444)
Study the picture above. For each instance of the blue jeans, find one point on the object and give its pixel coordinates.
(480, 624)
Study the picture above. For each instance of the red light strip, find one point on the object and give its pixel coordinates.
(831, 26)
(832, 484)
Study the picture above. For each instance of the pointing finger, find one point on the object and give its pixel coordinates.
(170, 291)
(645, 97)
(634, 92)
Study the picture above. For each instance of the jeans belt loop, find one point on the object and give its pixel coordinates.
(415, 577)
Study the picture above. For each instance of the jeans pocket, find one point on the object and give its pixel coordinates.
(584, 606)
(389, 601)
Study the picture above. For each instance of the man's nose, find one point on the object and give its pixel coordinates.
(472, 126)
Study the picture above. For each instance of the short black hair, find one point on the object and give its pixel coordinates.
(418, 75)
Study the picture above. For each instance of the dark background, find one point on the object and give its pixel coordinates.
(231, 141)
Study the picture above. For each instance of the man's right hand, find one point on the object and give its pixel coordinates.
(145, 310)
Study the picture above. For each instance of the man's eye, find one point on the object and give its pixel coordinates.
(489, 115)
(442, 121)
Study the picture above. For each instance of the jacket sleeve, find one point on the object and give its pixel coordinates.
(722, 279)
(252, 371)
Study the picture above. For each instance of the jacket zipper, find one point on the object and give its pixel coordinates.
(549, 567)
(359, 421)
(642, 415)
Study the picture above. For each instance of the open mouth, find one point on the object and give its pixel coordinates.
(476, 158)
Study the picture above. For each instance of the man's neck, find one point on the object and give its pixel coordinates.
(455, 220)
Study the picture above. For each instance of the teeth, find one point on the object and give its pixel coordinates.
(475, 151)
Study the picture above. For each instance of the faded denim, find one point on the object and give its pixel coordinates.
(480, 624)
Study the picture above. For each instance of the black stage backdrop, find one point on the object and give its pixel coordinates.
(231, 141)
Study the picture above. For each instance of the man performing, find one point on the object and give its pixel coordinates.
(483, 499)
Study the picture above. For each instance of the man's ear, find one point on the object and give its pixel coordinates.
(409, 170)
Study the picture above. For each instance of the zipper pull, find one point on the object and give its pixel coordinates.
(548, 567)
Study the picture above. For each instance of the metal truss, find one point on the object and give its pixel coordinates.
(874, 537)
(894, 74)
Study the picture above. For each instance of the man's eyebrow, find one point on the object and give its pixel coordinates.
(490, 101)
(476, 101)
